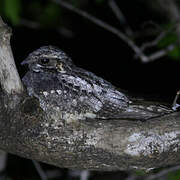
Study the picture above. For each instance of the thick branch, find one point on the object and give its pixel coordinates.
(9, 77)
(28, 131)
(95, 144)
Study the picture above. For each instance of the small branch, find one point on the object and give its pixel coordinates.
(117, 12)
(9, 77)
(40, 170)
(138, 51)
(175, 105)
(161, 53)
(119, 15)
(154, 42)
(106, 26)
(171, 9)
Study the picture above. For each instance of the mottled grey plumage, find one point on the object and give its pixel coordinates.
(69, 92)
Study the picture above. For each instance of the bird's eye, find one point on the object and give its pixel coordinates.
(44, 61)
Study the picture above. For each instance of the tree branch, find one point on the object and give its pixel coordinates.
(106, 26)
(138, 51)
(9, 77)
(161, 53)
(28, 131)
(117, 12)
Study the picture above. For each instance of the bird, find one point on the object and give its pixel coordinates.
(69, 93)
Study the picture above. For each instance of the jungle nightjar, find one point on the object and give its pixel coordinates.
(70, 92)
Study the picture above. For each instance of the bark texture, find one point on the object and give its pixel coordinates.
(100, 145)
(9, 77)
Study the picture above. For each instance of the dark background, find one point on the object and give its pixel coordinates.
(97, 50)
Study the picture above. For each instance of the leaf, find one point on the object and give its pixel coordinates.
(12, 10)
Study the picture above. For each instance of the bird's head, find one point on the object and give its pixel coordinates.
(48, 59)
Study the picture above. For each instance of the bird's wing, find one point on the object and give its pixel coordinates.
(139, 110)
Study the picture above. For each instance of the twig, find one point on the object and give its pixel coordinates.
(39, 170)
(161, 53)
(106, 26)
(135, 48)
(175, 105)
(81, 174)
(84, 175)
(119, 15)
(161, 35)
(154, 42)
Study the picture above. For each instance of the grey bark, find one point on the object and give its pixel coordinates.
(9, 77)
(28, 131)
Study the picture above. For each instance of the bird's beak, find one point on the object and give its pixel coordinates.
(27, 61)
